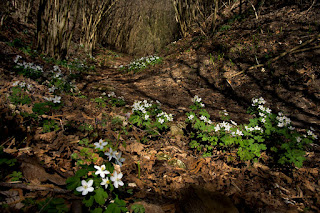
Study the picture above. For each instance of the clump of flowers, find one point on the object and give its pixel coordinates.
(98, 183)
(55, 99)
(19, 93)
(150, 116)
(23, 85)
(141, 64)
(29, 70)
(59, 82)
(115, 100)
(266, 131)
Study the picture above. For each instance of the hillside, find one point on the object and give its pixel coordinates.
(52, 115)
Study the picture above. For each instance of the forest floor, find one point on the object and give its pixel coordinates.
(238, 63)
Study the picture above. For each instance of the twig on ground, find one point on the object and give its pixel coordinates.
(34, 187)
(314, 1)
(293, 50)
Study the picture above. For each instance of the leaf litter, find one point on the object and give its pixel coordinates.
(167, 166)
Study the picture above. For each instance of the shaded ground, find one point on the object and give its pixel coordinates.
(218, 69)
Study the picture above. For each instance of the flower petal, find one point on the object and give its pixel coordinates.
(85, 191)
(115, 184)
(120, 183)
(90, 189)
(83, 182)
(90, 182)
(120, 175)
(80, 188)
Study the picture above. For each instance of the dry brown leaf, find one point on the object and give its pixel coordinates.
(135, 147)
(13, 197)
(36, 174)
(309, 185)
(48, 137)
(137, 181)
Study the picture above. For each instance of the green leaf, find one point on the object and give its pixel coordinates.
(194, 144)
(100, 196)
(138, 208)
(112, 208)
(88, 203)
(97, 210)
(73, 182)
(81, 172)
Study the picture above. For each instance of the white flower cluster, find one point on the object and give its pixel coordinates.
(56, 99)
(263, 111)
(164, 116)
(196, 99)
(141, 106)
(57, 72)
(205, 119)
(112, 94)
(102, 171)
(111, 153)
(258, 101)
(283, 121)
(22, 85)
(310, 132)
(141, 63)
(251, 129)
(227, 127)
(26, 65)
(225, 113)
(238, 132)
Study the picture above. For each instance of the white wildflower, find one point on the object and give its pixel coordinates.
(101, 171)
(116, 179)
(196, 99)
(86, 187)
(217, 128)
(105, 182)
(161, 120)
(100, 145)
(111, 154)
(119, 159)
(298, 139)
(15, 83)
(203, 118)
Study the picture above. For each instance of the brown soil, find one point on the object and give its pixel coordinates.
(218, 69)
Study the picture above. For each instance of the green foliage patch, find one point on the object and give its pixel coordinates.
(267, 131)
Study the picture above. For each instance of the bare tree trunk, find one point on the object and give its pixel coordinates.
(93, 13)
(192, 13)
(55, 26)
(22, 9)
(216, 8)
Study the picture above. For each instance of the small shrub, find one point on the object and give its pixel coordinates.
(19, 96)
(141, 64)
(49, 126)
(267, 131)
(99, 184)
(150, 117)
(29, 70)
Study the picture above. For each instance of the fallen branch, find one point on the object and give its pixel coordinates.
(293, 50)
(34, 187)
